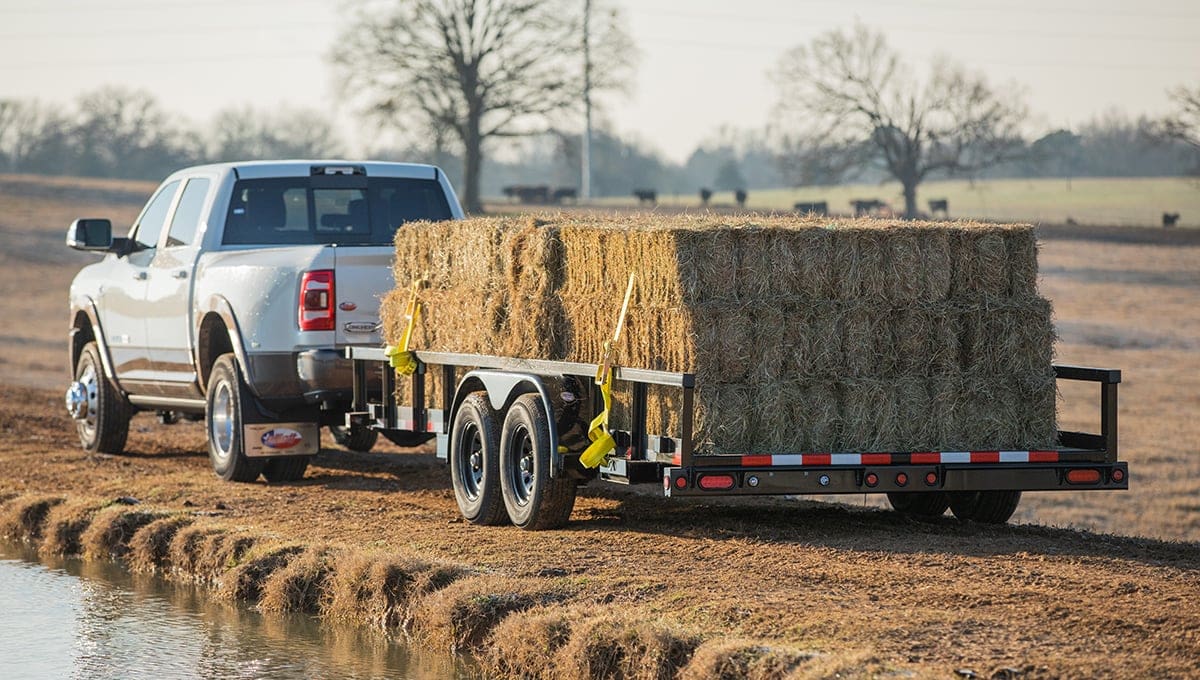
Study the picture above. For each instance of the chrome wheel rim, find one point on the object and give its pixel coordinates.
(220, 423)
(90, 379)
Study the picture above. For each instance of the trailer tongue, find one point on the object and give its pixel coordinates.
(528, 464)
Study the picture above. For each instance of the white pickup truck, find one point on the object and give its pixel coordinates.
(232, 300)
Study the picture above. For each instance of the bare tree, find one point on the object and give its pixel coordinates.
(480, 68)
(1184, 124)
(847, 101)
(244, 133)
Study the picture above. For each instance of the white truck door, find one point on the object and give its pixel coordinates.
(121, 298)
(168, 302)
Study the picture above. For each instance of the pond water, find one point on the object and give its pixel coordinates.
(69, 618)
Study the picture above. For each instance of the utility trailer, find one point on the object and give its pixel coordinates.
(513, 431)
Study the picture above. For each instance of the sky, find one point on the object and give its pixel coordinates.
(703, 64)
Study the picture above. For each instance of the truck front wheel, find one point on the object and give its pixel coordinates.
(533, 499)
(474, 459)
(223, 416)
(988, 507)
(101, 412)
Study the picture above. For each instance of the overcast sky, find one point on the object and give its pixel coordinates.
(703, 64)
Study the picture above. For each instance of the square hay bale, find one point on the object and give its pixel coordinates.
(804, 333)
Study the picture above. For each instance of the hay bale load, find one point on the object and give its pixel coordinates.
(804, 334)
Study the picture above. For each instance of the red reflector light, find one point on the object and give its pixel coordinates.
(316, 310)
(901, 479)
(1118, 475)
(1083, 476)
(871, 479)
(681, 482)
(715, 482)
(931, 478)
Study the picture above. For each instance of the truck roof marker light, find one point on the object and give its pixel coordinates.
(316, 309)
(715, 482)
(1083, 476)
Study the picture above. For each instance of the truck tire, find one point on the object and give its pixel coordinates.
(285, 468)
(920, 503)
(987, 507)
(223, 422)
(532, 498)
(106, 427)
(474, 461)
(357, 438)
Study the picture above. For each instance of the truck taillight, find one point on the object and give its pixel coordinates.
(316, 301)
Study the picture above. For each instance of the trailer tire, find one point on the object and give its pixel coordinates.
(475, 461)
(920, 503)
(223, 423)
(285, 468)
(534, 500)
(355, 438)
(987, 507)
(106, 425)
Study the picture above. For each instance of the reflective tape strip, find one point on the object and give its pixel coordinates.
(917, 458)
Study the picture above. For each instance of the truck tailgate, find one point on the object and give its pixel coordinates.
(362, 276)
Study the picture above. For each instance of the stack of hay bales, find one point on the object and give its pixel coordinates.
(804, 334)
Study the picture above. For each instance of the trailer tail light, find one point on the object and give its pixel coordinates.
(1118, 475)
(931, 478)
(1083, 476)
(317, 301)
(681, 482)
(715, 482)
(871, 479)
(901, 479)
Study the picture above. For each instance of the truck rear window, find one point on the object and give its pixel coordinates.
(292, 211)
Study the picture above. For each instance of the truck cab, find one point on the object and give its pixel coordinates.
(232, 298)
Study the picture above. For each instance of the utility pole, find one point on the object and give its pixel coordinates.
(585, 190)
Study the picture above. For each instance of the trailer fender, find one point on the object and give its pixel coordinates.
(502, 387)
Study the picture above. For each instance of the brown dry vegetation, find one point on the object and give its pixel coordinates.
(865, 592)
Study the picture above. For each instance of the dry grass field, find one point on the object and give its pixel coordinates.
(866, 593)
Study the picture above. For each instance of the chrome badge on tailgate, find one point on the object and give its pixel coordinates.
(360, 326)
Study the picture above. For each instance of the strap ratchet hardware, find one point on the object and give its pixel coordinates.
(602, 440)
(399, 356)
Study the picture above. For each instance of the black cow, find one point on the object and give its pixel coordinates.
(646, 196)
(564, 194)
(740, 197)
(1170, 219)
(814, 208)
(866, 206)
(939, 205)
(705, 196)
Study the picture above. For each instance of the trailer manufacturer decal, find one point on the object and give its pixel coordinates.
(281, 438)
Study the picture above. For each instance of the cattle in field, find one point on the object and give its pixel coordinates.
(564, 194)
(705, 196)
(740, 197)
(649, 196)
(867, 206)
(813, 208)
(1170, 219)
(528, 193)
(939, 205)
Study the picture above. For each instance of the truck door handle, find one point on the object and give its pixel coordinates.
(181, 274)
(139, 276)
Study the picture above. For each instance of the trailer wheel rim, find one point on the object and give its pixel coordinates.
(521, 469)
(470, 471)
(220, 425)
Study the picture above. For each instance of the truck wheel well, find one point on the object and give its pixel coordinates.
(82, 336)
(211, 342)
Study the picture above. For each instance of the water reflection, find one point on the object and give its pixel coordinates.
(69, 618)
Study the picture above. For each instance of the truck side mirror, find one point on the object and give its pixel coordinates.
(90, 234)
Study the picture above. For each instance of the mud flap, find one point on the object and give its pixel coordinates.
(281, 439)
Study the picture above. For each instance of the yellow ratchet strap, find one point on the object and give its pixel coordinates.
(602, 440)
(399, 356)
